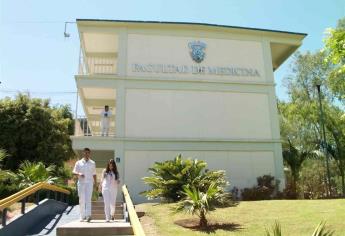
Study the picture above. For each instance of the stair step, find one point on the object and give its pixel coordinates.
(95, 227)
(117, 208)
(101, 211)
(101, 216)
(101, 203)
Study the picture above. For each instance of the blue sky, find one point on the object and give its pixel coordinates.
(35, 57)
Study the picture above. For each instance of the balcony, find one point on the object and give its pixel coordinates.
(98, 53)
(87, 127)
(98, 64)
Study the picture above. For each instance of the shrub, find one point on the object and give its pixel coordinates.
(7, 189)
(169, 177)
(320, 230)
(263, 191)
(72, 198)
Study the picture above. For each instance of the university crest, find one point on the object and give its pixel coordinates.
(197, 50)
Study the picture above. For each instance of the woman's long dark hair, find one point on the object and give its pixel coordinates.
(114, 170)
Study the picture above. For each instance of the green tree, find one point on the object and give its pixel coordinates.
(335, 49)
(294, 158)
(336, 142)
(300, 116)
(33, 130)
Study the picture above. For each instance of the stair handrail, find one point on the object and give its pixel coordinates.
(22, 194)
(8, 201)
(133, 217)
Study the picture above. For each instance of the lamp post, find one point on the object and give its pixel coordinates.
(67, 35)
(324, 146)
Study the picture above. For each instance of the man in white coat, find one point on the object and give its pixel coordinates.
(105, 120)
(85, 169)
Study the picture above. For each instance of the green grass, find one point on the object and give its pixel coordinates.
(297, 217)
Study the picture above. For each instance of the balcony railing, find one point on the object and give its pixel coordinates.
(83, 127)
(97, 64)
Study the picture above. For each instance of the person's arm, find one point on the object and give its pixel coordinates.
(118, 178)
(100, 183)
(94, 175)
(76, 170)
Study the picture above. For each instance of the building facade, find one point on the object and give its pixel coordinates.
(203, 91)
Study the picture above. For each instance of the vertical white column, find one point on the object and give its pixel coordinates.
(274, 118)
(120, 103)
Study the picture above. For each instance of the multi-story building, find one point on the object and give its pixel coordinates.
(204, 91)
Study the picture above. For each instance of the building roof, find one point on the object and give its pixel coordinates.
(190, 23)
(282, 43)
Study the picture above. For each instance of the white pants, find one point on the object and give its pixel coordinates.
(109, 197)
(85, 196)
(105, 127)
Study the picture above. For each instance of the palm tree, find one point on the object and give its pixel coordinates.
(199, 202)
(294, 157)
(30, 173)
(168, 178)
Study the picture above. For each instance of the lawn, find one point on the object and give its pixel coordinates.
(297, 217)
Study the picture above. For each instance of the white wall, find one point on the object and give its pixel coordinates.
(173, 50)
(197, 114)
(242, 168)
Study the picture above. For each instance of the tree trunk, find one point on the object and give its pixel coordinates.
(343, 183)
(342, 174)
(294, 184)
(203, 220)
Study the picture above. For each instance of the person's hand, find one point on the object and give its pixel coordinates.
(81, 175)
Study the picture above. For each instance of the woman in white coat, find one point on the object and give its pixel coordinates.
(109, 183)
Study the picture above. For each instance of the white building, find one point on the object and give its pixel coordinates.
(200, 90)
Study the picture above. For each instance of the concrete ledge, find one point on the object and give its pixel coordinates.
(22, 224)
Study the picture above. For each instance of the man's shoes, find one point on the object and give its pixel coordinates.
(88, 219)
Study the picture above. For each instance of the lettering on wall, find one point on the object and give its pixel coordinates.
(197, 53)
(194, 69)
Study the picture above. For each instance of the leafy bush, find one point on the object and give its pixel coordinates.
(276, 230)
(72, 198)
(30, 173)
(7, 189)
(263, 191)
(169, 177)
(314, 180)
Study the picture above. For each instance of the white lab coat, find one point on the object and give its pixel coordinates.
(85, 185)
(105, 122)
(109, 192)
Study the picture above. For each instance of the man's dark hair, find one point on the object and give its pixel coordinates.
(106, 106)
(87, 149)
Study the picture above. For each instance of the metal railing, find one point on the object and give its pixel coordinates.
(130, 213)
(97, 64)
(93, 128)
(22, 196)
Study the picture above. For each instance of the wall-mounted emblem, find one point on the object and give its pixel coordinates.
(197, 50)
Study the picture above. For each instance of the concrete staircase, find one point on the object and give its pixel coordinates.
(97, 212)
(98, 226)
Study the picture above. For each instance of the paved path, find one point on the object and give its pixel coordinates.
(70, 218)
(48, 226)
